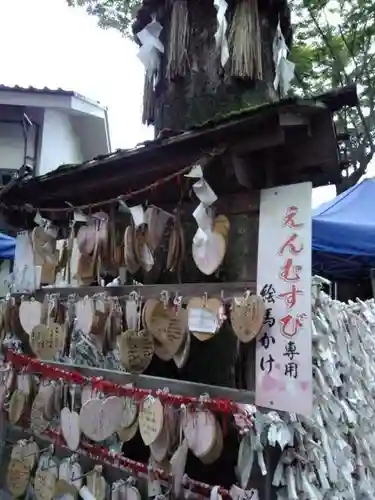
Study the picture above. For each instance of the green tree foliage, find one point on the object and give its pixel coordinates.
(334, 45)
(116, 14)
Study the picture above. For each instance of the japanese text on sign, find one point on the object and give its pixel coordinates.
(283, 352)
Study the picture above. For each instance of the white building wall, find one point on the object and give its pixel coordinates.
(59, 143)
(11, 135)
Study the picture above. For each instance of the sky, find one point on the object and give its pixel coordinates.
(53, 45)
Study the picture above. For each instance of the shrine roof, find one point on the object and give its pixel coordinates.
(248, 132)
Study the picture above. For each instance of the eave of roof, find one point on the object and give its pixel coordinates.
(49, 91)
(156, 158)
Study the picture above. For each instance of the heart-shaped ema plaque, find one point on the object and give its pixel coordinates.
(100, 418)
(70, 479)
(221, 225)
(96, 484)
(16, 406)
(47, 341)
(45, 483)
(129, 412)
(30, 314)
(200, 431)
(70, 429)
(26, 452)
(126, 434)
(204, 317)
(247, 317)
(136, 350)
(151, 420)
(38, 423)
(17, 478)
(209, 252)
(85, 311)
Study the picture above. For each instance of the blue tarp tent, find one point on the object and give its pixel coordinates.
(7, 246)
(344, 233)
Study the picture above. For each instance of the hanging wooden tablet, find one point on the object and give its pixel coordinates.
(217, 449)
(129, 250)
(247, 317)
(136, 350)
(84, 310)
(126, 434)
(38, 423)
(16, 406)
(17, 477)
(200, 431)
(70, 479)
(129, 412)
(221, 226)
(208, 253)
(45, 481)
(205, 317)
(70, 428)
(96, 484)
(160, 447)
(151, 419)
(30, 314)
(181, 357)
(26, 451)
(46, 342)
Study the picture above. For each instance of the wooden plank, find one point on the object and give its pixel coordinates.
(230, 204)
(225, 290)
(175, 386)
(289, 119)
(263, 139)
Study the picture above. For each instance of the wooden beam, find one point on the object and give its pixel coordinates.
(226, 290)
(289, 119)
(270, 137)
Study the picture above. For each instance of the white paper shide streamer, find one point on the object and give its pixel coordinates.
(329, 455)
(202, 214)
(149, 53)
(284, 69)
(221, 31)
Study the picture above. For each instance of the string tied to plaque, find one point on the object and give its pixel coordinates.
(164, 298)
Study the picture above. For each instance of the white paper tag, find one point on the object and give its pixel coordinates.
(195, 173)
(79, 217)
(100, 306)
(123, 207)
(122, 275)
(202, 215)
(150, 35)
(204, 192)
(146, 257)
(149, 57)
(86, 494)
(138, 215)
(50, 229)
(153, 487)
(39, 221)
(238, 493)
(202, 320)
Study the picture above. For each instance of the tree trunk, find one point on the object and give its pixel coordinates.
(205, 91)
(208, 91)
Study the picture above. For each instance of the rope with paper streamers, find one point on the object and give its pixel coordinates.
(46, 370)
(115, 200)
(117, 460)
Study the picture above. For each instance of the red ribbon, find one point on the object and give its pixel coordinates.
(221, 405)
(119, 461)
